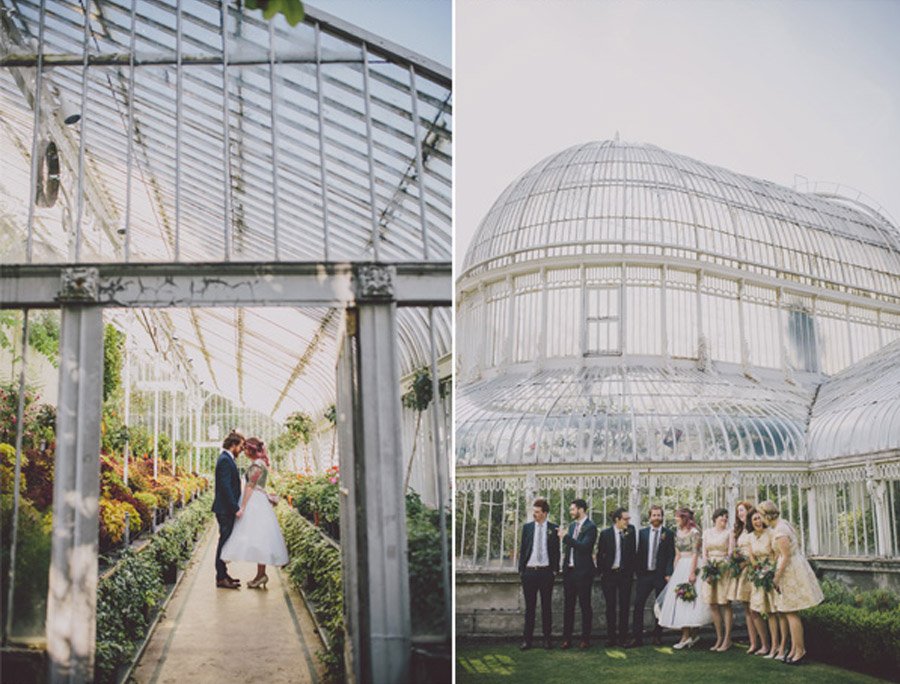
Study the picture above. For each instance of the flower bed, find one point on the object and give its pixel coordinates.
(130, 594)
(856, 630)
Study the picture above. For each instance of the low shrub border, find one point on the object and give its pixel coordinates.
(315, 569)
(131, 593)
(856, 630)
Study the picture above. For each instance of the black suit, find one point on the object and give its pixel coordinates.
(616, 582)
(651, 580)
(578, 578)
(538, 579)
(226, 504)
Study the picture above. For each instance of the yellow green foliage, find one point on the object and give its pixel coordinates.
(8, 470)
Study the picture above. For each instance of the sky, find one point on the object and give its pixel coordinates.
(423, 26)
(769, 89)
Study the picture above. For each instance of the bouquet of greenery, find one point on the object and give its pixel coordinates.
(762, 574)
(713, 570)
(686, 592)
(736, 563)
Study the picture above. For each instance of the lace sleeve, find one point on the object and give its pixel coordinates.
(254, 472)
(696, 540)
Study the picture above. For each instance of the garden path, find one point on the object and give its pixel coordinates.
(221, 635)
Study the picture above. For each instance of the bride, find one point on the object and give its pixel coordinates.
(674, 612)
(257, 535)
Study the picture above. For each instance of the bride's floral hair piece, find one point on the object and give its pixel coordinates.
(256, 449)
(687, 517)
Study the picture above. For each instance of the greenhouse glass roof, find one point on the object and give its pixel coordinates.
(208, 135)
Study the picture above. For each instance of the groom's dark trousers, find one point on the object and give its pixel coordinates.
(226, 504)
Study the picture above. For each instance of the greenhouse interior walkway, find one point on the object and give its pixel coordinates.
(219, 635)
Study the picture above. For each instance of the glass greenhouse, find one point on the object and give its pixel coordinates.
(658, 329)
(263, 212)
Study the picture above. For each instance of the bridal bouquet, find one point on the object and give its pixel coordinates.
(736, 563)
(762, 574)
(713, 570)
(686, 592)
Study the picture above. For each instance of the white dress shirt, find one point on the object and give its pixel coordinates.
(653, 551)
(539, 558)
(572, 548)
(617, 560)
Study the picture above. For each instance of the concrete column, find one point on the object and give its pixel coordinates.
(72, 595)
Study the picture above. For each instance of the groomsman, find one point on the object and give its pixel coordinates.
(538, 565)
(578, 572)
(615, 560)
(653, 566)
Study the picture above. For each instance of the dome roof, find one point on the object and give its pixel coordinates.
(858, 410)
(611, 198)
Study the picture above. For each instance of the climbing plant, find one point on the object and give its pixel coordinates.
(418, 398)
(291, 9)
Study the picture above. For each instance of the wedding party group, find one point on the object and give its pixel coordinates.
(696, 577)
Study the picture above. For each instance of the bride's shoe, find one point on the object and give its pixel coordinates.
(691, 642)
(680, 645)
(258, 582)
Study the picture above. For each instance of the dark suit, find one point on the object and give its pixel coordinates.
(577, 579)
(651, 580)
(226, 504)
(537, 580)
(616, 582)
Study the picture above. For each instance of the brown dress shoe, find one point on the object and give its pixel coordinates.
(584, 645)
(225, 584)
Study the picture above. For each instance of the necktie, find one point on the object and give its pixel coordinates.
(541, 542)
(655, 548)
(574, 536)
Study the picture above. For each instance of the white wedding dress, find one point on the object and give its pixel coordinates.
(671, 611)
(256, 537)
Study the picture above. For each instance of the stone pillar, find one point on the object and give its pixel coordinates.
(72, 595)
(375, 498)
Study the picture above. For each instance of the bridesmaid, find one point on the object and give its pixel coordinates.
(740, 588)
(717, 546)
(795, 582)
(762, 602)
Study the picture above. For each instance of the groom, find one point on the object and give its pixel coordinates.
(226, 505)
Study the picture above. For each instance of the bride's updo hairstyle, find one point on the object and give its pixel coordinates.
(256, 449)
(686, 516)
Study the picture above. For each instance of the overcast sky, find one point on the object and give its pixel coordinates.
(423, 26)
(767, 88)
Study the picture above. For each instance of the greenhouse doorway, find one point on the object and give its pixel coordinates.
(363, 303)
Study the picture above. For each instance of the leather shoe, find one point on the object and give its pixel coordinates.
(548, 644)
(225, 584)
(566, 645)
(584, 645)
(233, 580)
(525, 646)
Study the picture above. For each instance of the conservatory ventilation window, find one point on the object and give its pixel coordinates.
(802, 342)
(602, 321)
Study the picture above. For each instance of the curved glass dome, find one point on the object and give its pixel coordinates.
(858, 411)
(620, 303)
(608, 198)
(627, 414)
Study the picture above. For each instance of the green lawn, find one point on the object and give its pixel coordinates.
(485, 662)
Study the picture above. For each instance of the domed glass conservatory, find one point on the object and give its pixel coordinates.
(636, 326)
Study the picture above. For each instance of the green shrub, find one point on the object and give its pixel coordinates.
(425, 574)
(316, 568)
(32, 564)
(857, 630)
(128, 598)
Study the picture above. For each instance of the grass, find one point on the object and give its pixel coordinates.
(486, 662)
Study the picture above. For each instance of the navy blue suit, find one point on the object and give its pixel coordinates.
(538, 580)
(226, 504)
(578, 578)
(651, 580)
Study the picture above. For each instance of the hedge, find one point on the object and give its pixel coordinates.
(129, 597)
(316, 569)
(859, 631)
